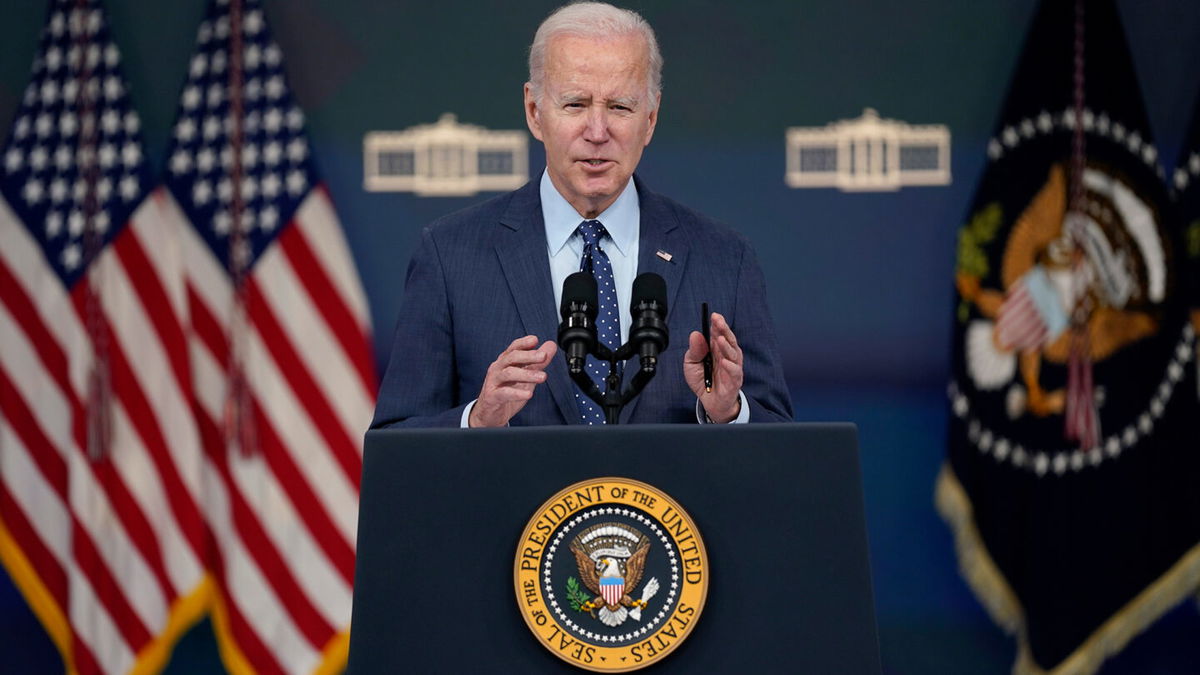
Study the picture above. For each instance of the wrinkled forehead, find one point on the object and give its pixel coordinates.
(621, 61)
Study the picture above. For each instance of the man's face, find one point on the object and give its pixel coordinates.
(593, 117)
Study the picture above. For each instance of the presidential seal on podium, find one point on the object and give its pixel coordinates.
(611, 574)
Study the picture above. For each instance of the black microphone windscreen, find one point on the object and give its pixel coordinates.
(650, 287)
(579, 287)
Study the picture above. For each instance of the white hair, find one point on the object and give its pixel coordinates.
(596, 20)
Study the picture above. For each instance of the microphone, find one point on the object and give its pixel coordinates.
(649, 310)
(577, 332)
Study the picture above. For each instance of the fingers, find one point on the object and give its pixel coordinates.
(521, 364)
(511, 380)
(731, 371)
(727, 363)
(519, 375)
(522, 354)
(521, 350)
(549, 349)
(720, 327)
(507, 393)
(727, 359)
(722, 341)
(530, 358)
(697, 348)
(526, 342)
(725, 350)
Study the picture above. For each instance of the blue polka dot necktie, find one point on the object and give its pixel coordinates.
(608, 319)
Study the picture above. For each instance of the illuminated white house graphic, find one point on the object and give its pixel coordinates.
(445, 159)
(868, 154)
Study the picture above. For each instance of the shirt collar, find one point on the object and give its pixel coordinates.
(621, 219)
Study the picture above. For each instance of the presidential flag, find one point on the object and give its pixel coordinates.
(100, 476)
(279, 351)
(1069, 482)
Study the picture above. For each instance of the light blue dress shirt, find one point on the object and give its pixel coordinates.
(622, 220)
(564, 245)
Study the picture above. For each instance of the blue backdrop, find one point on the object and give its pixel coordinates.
(860, 283)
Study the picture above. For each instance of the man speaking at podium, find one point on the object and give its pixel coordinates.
(473, 345)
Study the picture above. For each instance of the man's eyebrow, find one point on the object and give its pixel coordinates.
(569, 97)
(572, 97)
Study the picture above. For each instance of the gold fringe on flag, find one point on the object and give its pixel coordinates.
(994, 593)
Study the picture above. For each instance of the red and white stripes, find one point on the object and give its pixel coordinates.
(121, 547)
(118, 544)
(284, 516)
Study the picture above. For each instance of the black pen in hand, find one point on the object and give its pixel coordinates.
(705, 320)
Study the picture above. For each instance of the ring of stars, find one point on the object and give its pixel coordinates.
(1046, 124)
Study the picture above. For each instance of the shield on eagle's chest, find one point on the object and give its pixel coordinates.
(612, 588)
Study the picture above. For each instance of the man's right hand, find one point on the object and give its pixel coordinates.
(510, 381)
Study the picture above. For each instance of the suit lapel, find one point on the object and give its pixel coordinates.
(522, 252)
(659, 232)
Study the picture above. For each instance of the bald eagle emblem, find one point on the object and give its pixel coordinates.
(611, 558)
(1079, 286)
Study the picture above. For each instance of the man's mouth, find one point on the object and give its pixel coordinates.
(595, 162)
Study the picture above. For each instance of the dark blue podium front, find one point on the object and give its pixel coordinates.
(779, 507)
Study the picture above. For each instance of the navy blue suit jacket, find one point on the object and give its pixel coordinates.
(481, 279)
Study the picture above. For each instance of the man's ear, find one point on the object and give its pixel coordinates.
(653, 119)
(533, 118)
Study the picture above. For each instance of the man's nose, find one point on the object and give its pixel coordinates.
(597, 125)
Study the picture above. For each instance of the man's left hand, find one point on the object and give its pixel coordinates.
(722, 404)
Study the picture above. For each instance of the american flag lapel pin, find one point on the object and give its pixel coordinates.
(663, 254)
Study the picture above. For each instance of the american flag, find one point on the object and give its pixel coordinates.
(100, 474)
(279, 351)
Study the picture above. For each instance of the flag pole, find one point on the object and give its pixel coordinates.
(239, 420)
(99, 393)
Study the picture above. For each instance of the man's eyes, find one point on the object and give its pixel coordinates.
(579, 105)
